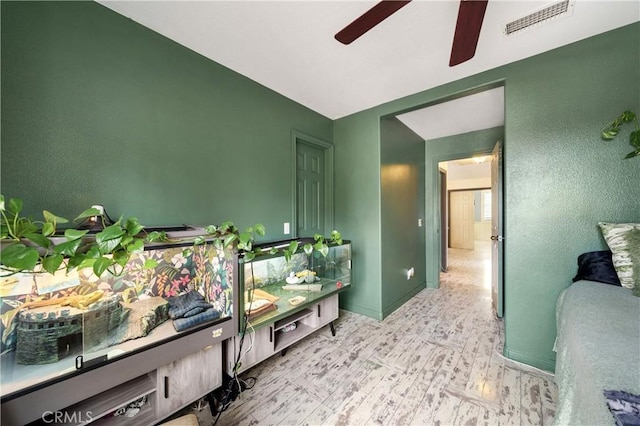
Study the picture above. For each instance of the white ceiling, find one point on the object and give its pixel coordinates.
(463, 169)
(288, 46)
(480, 111)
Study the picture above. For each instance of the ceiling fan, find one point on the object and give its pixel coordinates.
(470, 17)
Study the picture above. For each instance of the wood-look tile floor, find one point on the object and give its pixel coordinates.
(435, 361)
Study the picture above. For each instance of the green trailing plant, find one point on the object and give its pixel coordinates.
(612, 129)
(35, 246)
(320, 245)
(227, 234)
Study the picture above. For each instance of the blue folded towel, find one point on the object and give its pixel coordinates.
(186, 305)
(624, 406)
(181, 324)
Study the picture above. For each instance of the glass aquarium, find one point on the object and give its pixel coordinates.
(58, 325)
(275, 287)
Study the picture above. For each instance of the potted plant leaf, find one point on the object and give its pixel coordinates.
(612, 129)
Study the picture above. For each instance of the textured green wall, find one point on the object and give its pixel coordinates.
(480, 142)
(98, 109)
(357, 206)
(560, 178)
(402, 204)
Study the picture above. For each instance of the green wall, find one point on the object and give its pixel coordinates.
(99, 109)
(357, 206)
(402, 204)
(560, 178)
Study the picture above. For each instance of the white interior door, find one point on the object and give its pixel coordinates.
(462, 219)
(497, 238)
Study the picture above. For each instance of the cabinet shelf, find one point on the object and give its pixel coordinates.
(279, 325)
(93, 409)
(271, 339)
(286, 339)
(146, 416)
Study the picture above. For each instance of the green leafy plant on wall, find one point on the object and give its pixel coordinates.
(34, 246)
(611, 131)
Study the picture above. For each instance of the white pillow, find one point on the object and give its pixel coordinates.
(623, 240)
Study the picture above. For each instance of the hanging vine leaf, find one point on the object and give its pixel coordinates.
(101, 265)
(52, 263)
(20, 257)
(308, 249)
(613, 129)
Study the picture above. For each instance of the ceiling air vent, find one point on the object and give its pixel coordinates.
(548, 12)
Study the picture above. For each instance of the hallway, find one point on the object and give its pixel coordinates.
(469, 267)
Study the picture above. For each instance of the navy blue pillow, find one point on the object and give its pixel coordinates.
(597, 266)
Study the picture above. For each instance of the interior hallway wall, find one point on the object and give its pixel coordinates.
(403, 193)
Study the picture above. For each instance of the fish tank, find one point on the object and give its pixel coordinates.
(57, 326)
(274, 287)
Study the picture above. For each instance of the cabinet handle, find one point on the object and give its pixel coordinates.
(270, 334)
(318, 310)
(166, 387)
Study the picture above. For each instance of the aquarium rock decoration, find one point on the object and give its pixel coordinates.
(49, 333)
(139, 319)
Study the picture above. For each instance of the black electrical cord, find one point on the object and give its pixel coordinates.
(230, 392)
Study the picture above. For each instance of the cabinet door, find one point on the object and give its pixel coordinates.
(187, 379)
(257, 346)
(325, 311)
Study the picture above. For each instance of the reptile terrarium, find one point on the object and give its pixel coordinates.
(59, 325)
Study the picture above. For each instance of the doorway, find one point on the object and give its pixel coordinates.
(467, 220)
(474, 206)
(312, 172)
(459, 126)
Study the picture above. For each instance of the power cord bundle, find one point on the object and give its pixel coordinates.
(232, 386)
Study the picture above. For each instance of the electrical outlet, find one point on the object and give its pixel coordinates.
(410, 273)
(287, 228)
(419, 223)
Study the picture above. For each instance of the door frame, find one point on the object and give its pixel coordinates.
(433, 276)
(444, 220)
(327, 147)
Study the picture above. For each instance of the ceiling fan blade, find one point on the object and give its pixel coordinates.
(465, 40)
(369, 19)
